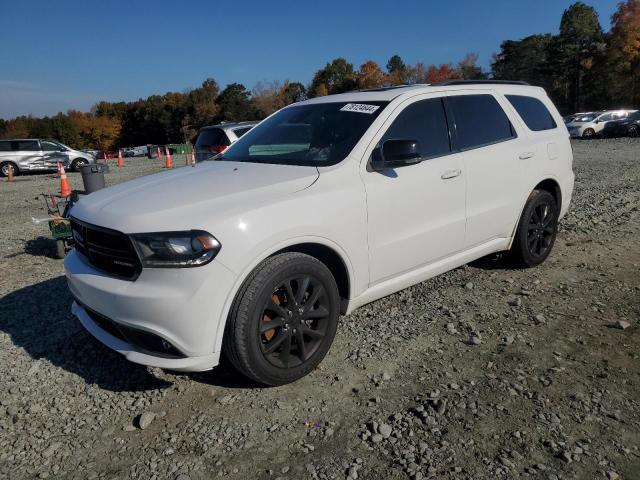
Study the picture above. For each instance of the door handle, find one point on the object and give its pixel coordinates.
(527, 155)
(451, 174)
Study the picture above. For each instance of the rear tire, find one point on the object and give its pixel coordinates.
(537, 230)
(634, 131)
(297, 296)
(4, 169)
(589, 133)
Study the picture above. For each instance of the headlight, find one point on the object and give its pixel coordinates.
(176, 249)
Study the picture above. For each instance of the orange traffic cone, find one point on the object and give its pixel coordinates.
(120, 158)
(159, 154)
(57, 174)
(10, 173)
(193, 158)
(65, 186)
(167, 160)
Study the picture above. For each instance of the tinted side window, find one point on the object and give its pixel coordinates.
(5, 147)
(241, 131)
(426, 122)
(480, 121)
(50, 147)
(28, 146)
(533, 112)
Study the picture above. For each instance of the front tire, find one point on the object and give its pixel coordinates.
(4, 169)
(77, 163)
(589, 133)
(634, 131)
(283, 320)
(537, 230)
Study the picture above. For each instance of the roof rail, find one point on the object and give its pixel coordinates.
(482, 82)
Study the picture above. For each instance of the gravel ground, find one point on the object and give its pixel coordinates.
(481, 373)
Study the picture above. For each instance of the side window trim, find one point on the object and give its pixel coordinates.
(454, 127)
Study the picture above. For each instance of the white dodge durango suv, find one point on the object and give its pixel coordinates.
(326, 205)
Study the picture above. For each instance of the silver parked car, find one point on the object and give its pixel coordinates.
(33, 154)
(215, 139)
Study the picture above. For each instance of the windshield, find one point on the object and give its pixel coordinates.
(585, 118)
(314, 135)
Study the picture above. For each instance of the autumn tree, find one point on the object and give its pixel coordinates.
(370, 75)
(336, 77)
(624, 52)
(580, 40)
(469, 69)
(441, 73)
(235, 104)
(398, 72)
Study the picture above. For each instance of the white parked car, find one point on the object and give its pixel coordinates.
(589, 125)
(325, 206)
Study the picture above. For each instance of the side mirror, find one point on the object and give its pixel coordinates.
(597, 120)
(396, 153)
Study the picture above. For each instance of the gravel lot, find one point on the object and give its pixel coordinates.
(482, 373)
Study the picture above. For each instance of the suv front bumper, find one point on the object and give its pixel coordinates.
(183, 307)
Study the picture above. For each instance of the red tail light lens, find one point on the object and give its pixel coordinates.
(218, 148)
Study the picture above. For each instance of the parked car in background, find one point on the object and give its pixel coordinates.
(216, 139)
(325, 206)
(591, 124)
(33, 154)
(623, 127)
(134, 151)
(570, 118)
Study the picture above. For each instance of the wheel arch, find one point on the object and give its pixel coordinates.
(550, 185)
(330, 254)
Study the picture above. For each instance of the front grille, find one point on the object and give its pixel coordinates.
(106, 249)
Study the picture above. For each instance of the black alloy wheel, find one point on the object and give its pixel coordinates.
(541, 230)
(294, 321)
(536, 231)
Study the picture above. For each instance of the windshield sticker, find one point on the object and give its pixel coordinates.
(360, 108)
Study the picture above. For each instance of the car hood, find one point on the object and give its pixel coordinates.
(188, 198)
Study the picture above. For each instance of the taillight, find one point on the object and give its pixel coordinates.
(218, 148)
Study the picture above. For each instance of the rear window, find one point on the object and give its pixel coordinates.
(533, 112)
(211, 137)
(480, 121)
(27, 146)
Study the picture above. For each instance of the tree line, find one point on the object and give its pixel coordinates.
(582, 68)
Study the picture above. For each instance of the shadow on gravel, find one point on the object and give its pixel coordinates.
(492, 262)
(224, 375)
(40, 247)
(37, 318)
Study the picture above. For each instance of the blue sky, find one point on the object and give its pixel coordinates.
(70, 54)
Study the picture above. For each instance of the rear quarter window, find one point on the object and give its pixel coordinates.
(479, 121)
(5, 147)
(241, 131)
(534, 113)
(212, 137)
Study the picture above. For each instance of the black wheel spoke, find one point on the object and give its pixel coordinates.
(286, 351)
(313, 334)
(271, 324)
(302, 289)
(275, 343)
(549, 229)
(274, 307)
(317, 291)
(302, 348)
(320, 312)
(291, 298)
